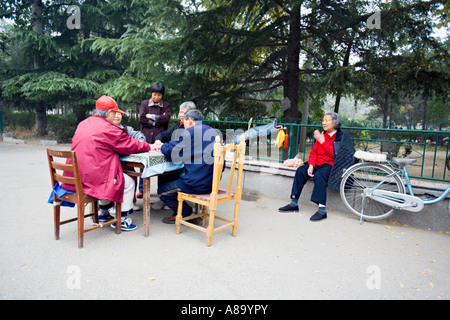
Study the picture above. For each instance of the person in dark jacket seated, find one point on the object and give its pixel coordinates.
(173, 133)
(331, 154)
(195, 148)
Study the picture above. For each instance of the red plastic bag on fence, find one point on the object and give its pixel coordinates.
(286, 140)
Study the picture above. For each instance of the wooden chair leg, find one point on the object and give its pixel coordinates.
(205, 213)
(94, 210)
(56, 219)
(118, 229)
(179, 217)
(146, 208)
(80, 222)
(236, 218)
(210, 229)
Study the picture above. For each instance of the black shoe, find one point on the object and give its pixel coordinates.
(319, 215)
(288, 208)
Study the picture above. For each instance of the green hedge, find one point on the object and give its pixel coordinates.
(59, 127)
(15, 120)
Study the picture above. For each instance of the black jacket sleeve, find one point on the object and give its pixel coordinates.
(343, 159)
(166, 136)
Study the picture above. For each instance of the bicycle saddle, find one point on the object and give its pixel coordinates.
(401, 162)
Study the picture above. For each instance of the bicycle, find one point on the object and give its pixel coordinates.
(373, 190)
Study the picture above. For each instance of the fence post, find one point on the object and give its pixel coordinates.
(1, 124)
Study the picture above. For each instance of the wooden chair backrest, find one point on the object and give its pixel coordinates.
(219, 161)
(71, 167)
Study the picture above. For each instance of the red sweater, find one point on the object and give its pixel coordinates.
(322, 153)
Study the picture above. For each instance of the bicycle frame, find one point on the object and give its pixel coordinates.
(391, 198)
(408, 183)
(426, 201)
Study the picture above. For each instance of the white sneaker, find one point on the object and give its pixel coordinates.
(112, 210)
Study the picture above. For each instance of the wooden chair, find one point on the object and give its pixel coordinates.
(78, 197)
(217, 195)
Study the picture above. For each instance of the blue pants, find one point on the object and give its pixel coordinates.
(321, 174)
(168, 193)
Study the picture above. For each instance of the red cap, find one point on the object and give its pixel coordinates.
(107, 103)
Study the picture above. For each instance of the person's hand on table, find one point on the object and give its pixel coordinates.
(158, 143)
(156, 146)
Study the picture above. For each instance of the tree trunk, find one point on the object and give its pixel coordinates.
(385, 107)
(424, 113)
(37, 26)
(291, 82)
(345, 65)
(41, 119)
(305, 109)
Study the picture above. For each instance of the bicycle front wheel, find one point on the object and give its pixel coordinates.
(359, 179)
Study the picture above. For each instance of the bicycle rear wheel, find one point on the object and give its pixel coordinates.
(358, 180)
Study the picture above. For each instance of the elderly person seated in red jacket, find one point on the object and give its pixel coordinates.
(331, 154)
(109, 207)
(98, 143)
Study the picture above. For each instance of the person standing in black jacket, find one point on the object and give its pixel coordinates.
(154, 117)
(331, 154)
(154, 113)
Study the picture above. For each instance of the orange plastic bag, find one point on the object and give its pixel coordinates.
(286, 141)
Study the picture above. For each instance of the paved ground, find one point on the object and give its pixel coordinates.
(274, 255)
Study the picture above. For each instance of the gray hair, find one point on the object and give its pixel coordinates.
(101, 113)
(335, 118)
(194, 115)
(188, 105)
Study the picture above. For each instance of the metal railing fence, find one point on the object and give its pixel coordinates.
(425, 145)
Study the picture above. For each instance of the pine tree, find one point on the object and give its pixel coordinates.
(53, 66)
